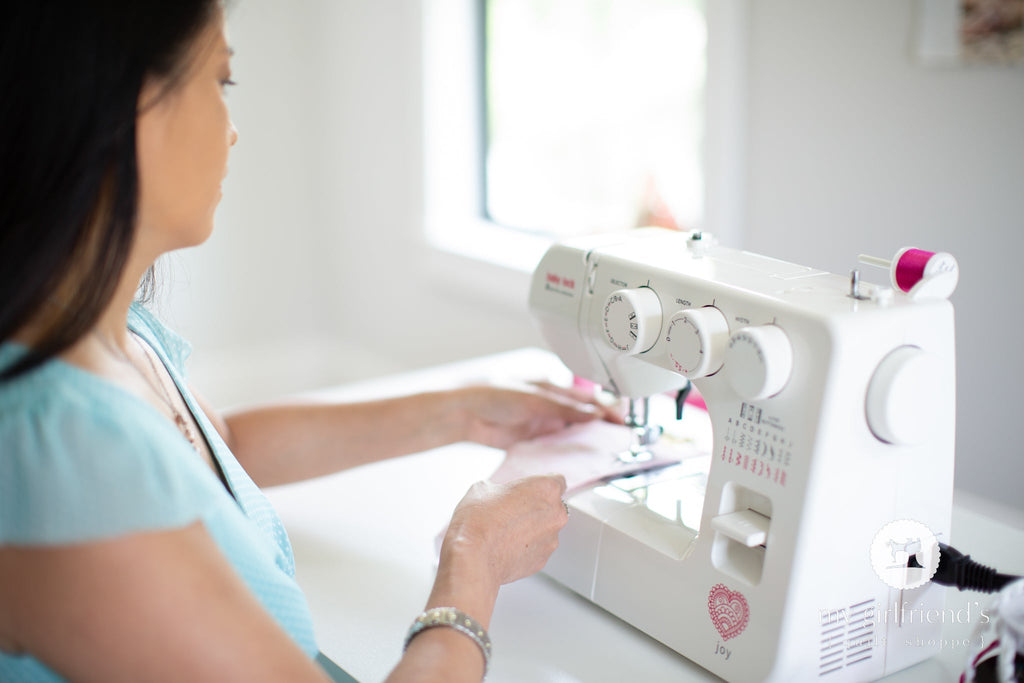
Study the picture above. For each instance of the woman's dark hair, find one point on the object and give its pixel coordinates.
(70, 76)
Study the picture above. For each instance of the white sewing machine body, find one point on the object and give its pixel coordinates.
(832, 415)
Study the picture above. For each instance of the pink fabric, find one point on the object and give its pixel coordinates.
(584, 454)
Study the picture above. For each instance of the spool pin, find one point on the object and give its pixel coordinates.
(921, 274)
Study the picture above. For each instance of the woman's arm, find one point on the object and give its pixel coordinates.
(294, 441)
(159, 606)
(167, 605)
(498, 534)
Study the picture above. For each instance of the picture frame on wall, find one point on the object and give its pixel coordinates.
(970, 32)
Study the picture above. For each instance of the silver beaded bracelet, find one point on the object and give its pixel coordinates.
(456, 619)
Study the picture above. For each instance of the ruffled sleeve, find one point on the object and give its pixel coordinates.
(81, 461)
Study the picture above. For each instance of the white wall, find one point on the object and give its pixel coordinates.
(854, 147)
(318, 274)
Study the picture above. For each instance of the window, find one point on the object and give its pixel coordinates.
(594, 114)
(547, 118)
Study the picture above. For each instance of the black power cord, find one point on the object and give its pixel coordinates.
(957, 569)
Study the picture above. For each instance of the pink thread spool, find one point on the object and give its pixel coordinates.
(919, 272)
(910, 267)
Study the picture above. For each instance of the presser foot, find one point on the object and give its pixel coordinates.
(632, 457)
(641, 437)
(641, 433)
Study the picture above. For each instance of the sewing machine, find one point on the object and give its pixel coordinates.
(813, 522)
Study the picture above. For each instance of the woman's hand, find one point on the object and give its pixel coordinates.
(500, 417)
(511, 529)
(499, 533)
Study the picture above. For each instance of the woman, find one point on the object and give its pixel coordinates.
(134, 542)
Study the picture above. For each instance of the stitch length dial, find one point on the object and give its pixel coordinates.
(697, 339)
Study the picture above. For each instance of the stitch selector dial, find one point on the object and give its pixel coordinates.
(632, 319)
(696, 340)
(759, 361)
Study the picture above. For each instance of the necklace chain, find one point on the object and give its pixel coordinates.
(179, 420)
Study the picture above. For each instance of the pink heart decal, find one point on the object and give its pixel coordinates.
(728, 610)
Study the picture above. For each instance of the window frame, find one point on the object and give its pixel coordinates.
(464, 244)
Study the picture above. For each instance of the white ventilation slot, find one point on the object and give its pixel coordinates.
(847, 637)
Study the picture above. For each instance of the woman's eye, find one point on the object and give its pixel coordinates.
(226, 83)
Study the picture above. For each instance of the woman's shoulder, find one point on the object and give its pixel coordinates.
(84, 460)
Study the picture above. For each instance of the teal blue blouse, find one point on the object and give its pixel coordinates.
(82, 460)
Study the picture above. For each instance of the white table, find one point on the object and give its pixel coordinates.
(364, 550)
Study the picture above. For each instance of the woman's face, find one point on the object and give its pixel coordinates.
(183, 138)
